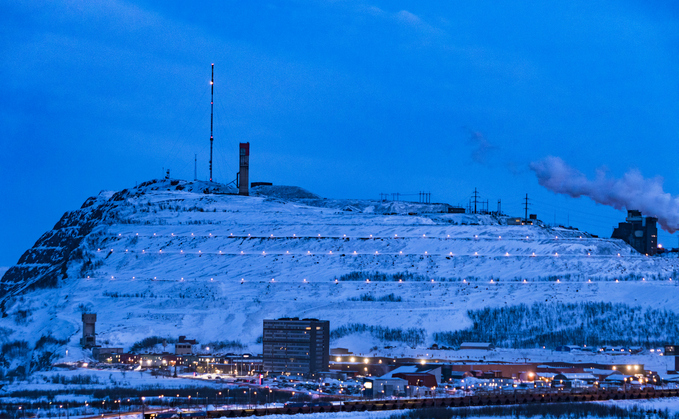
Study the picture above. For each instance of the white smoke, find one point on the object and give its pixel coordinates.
(632, 191)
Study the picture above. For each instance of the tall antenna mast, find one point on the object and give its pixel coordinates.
(212, 104)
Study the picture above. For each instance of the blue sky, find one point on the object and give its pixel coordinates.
(344, 98)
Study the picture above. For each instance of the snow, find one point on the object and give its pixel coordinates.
(103, 379)
(170, 259)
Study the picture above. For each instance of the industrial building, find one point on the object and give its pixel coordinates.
(244, 166)
(294, 346)
(89, 338)
(639, 232)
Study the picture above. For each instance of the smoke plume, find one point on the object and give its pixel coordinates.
(482, 147)
(632, 191)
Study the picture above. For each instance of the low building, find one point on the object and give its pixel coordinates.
(416, 375)
(340, 351)
(573, 380)
(477, 345)
(100, 353)
(378, 387)
(184, 346)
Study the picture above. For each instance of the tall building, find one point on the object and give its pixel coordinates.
(639, 232)
(295, 346)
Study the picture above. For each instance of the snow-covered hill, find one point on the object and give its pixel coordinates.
(173, 258)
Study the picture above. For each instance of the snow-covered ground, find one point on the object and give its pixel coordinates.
(168, 259)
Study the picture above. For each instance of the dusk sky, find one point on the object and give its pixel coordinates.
(347, 99)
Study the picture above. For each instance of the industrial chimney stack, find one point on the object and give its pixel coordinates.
(243, 174)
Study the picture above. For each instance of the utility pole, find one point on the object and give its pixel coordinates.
(499, 207)
(212, 103)
(195, 167)
(525, 207)
(476, 200)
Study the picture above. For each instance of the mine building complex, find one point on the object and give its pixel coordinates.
(639, 232)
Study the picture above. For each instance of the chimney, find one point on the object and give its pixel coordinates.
(244, 175)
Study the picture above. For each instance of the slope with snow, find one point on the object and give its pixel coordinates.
(173, 258)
